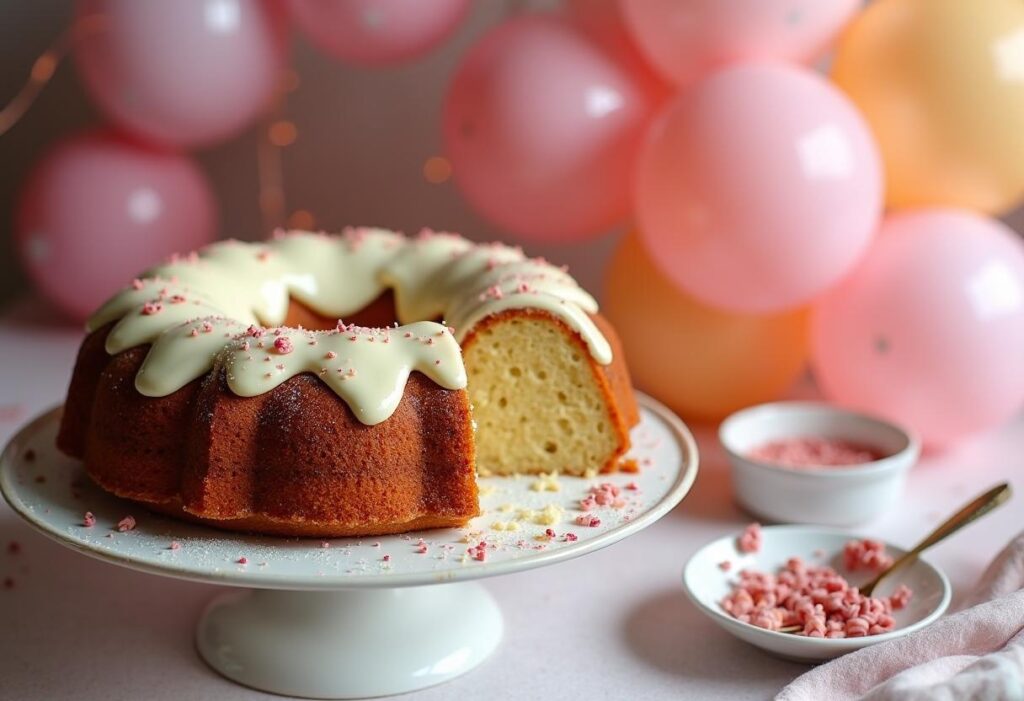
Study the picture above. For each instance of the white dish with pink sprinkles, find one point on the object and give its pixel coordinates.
(800, 563)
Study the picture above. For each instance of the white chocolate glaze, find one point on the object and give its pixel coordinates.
(210, 309)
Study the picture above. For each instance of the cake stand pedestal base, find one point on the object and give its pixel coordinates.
(349, 643)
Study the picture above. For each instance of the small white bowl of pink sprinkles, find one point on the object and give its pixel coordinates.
(762, 582)
(811, 462)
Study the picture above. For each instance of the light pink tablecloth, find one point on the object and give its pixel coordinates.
(612, 625)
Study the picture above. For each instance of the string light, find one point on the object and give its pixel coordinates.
(282, 133)
(301, 219)
(276, 133)
(44, 67)
(437, 170)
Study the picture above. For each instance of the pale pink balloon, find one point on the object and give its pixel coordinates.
(929, 329)
(97, 210)
(758, 188)
(543, 129)
(687, 40)
(601, 21)
(182, 73)
(378, 32)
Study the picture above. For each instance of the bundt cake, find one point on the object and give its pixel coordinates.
(222, 386)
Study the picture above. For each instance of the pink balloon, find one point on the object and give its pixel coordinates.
(183, 73)
(758, 188)
(929, 329)
(378, 32)
(98, 209)
(601, 21)
(688, 40)
(542, 129)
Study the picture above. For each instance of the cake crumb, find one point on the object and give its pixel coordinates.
(549, 515)
(629, 465)
(546, 482)
(88, 521)
(242, 560)
(505, 525)
(175, 545)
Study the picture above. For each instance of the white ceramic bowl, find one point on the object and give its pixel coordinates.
(836, 496)
(706, 584)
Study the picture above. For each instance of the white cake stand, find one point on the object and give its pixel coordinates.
(352, 618)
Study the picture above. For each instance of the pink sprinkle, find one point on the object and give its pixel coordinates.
(814, 452)
(177, 299)
(255, 331)
(750, 539)
(242, 560)
(386, 558)
(814, 597)
(868, 554)
(585, 520)
(422, 548)
(633, 487)
(330, 355)
(604, 494)
(283, 345)
(549, 532)
(207, 327)
(175, 545)
(725, 565)
(151, 308)
(571, 537)
(478, 552)
(325, 544)
(88, 521)
(193, 333)
(137, 284)
(126, 524)
(901, 597)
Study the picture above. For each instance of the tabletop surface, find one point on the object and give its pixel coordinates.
(611, 625)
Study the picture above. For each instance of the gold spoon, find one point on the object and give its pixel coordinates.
(978, 507)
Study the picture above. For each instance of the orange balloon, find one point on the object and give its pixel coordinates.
(941, 82)
(702, 362)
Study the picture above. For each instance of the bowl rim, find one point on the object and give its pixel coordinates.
(901, 459)
(715, 612)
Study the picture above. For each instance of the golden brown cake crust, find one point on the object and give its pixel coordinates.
(294, 461)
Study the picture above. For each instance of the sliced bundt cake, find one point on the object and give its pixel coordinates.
(221, 386)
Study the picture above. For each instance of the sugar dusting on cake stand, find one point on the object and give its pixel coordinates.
(354, 618)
